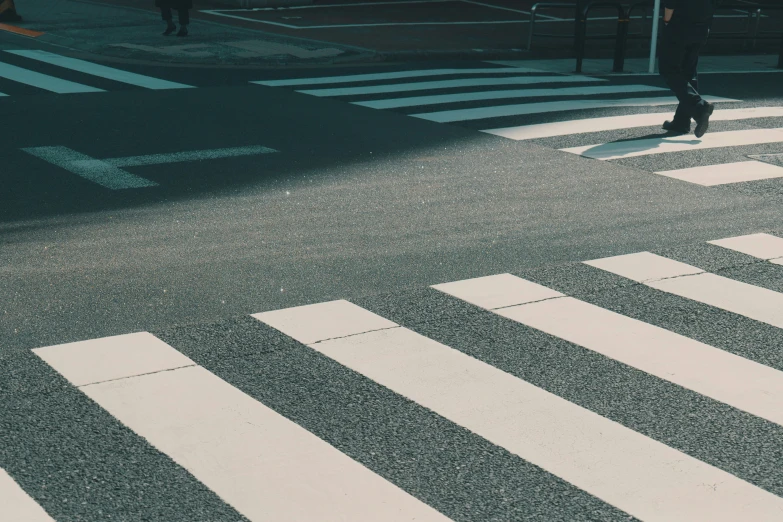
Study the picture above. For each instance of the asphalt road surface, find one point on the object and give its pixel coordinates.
(301, 294)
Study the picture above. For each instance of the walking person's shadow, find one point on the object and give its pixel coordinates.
(639, 146)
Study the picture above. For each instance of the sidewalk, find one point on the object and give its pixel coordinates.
(359, 32)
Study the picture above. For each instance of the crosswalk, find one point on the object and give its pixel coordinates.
(614, 414)
(567, 112)
(32, 71)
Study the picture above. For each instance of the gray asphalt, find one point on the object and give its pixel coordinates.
(359, 204)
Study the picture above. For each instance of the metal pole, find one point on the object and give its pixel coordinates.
(654, 43)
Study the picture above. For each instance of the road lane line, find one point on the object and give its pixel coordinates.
(690, 282)
(264, 465)
(445, 84)
(499, 111)
(667, 144)
(725, 173)
(626, 469)
(709, 371)
(394, 75)
(761, 246)
(394, 103)
(197, 155)
(42, 81)
(16, 505)
(102, 71)
(629, 121)
(89, 168)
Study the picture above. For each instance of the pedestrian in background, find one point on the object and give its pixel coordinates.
(183, 14)
(686, 29)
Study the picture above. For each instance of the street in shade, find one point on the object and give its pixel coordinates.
(430, 291)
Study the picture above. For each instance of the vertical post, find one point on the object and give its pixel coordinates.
(621, 43)
(654, 40)
(780, 57)
(580, 33)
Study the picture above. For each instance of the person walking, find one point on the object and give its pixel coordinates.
(183, 14)
(686, 29)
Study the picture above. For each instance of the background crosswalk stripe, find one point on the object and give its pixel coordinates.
(42, 81)
(16, 505)
(497, 95)
(544, 107)
(662, 145)
(638, 475)
(629, 121)
(761, 246)
(99, 70)
(725, 377)
(692, 283)
(725, 173)
(445, 84)
(394, 75)
(264, 465)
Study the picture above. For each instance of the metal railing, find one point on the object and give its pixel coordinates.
(624, 12)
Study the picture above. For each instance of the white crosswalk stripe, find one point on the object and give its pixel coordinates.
(17, 506)
(102, 71)
(483, 98)
(761, 246)
(694, 283)
(220, 435)
(266, 465)
(51, 82)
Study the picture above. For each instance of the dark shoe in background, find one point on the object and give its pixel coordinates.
(183, 31)
(169, 29)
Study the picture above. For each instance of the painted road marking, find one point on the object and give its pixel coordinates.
(611, 123)
(761, 246)
(264, 465)
(626, 469)
(394, 103)
(17, 505)
(20, 30)
(690, 282)
(480, 113)
(714, 373)
(662, 145)
(712, 175)
(99, 70)
(89, 168)
(394, 75)
(446, 84)
(108, 173)
(42, 81)
(197, 155)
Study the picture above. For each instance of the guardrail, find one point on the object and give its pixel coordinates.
(624, 13)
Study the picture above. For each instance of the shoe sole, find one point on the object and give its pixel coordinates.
(704, 124)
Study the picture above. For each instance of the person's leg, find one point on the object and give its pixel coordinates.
(184, 20)
(184, 16)
(165, 13)
(670, 67)
(700, 109)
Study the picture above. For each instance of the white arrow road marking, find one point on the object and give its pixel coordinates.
(107, 172)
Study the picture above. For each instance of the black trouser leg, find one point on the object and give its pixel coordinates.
(184, 16)
(165, 13)
(678, 65)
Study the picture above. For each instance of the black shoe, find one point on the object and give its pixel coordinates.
(676, 127)
(183, 31)
(703, 119)
(169, 29)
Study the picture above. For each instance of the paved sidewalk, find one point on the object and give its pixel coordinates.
(359, 32)
(127, 33)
